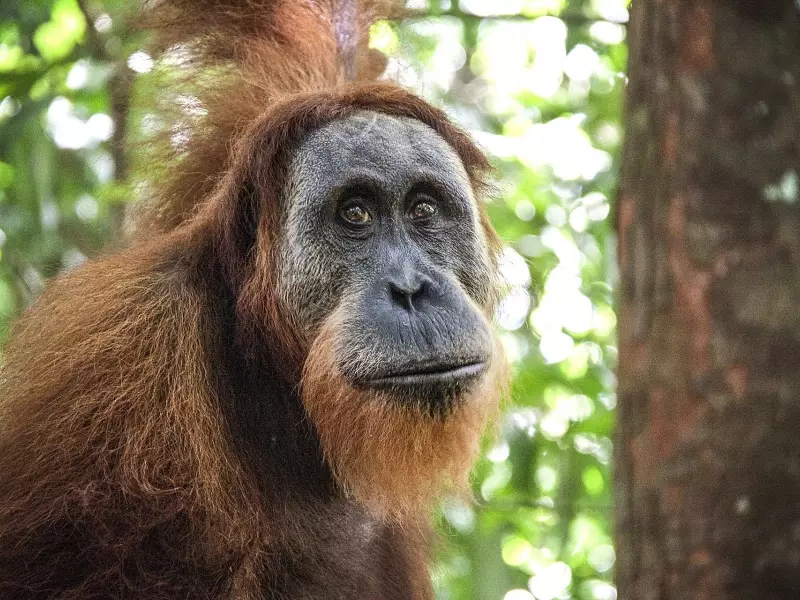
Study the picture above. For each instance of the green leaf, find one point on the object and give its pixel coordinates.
(6, 175)
(57, 38)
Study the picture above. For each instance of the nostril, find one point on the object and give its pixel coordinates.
(406, 295)
(401, 297)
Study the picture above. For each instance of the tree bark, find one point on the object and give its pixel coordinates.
(708, 438)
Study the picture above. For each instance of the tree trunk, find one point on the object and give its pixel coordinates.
(708, 439)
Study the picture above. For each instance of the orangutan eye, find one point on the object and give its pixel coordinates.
(422, 210)
(355, 214)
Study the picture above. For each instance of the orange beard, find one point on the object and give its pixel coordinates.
(386, 453)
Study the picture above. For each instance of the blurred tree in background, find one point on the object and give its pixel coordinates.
(708, 485)
(539, 83)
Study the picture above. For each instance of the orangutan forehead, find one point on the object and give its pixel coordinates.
(380, 147)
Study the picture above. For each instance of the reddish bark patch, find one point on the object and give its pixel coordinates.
(737, 381)
(692, 287)
(626, 216)
(698, 39)
(671, 141)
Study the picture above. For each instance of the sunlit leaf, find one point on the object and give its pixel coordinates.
(6, 175)
(57, 38)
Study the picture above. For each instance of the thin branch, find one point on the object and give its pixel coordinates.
(94, 40)
(23, 293)
(555, 506)
(572, 19)
(119, 84)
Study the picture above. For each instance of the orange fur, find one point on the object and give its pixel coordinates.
(125, 471)
(109, 421)
(392, 457)
(237, 58)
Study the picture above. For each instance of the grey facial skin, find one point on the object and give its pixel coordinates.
(380, 216)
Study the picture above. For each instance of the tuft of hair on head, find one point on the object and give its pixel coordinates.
(393, 456)
(222, 64)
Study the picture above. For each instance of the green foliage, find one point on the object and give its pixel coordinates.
(542, 94)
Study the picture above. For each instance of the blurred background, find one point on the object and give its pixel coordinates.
(539, 83)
